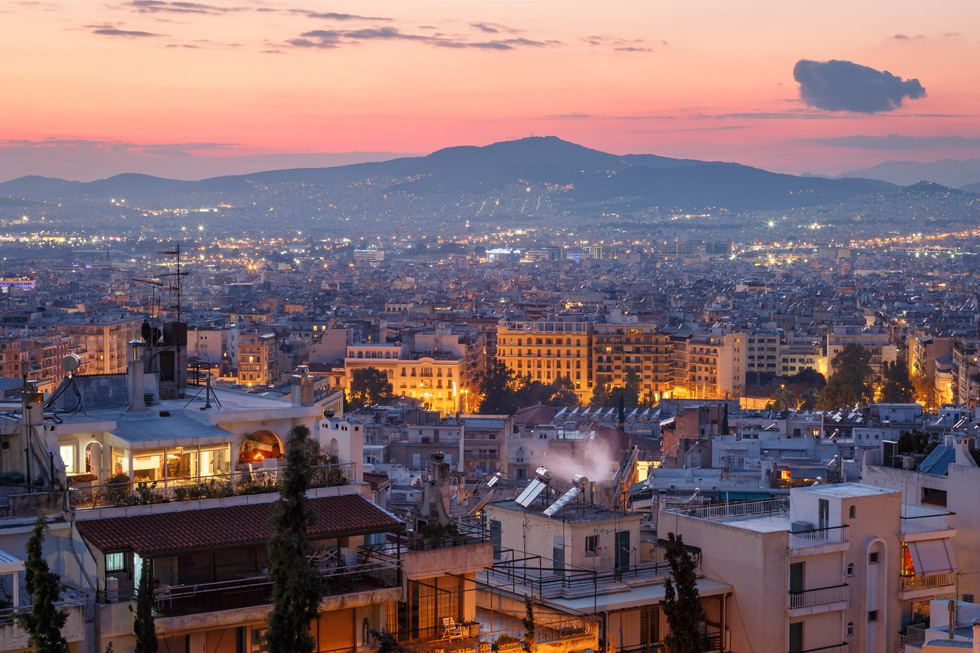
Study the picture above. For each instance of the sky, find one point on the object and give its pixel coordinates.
(194, 89)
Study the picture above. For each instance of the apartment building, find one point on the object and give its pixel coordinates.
(875, 340)
(440, 368)
(965, 388)
(924, 349)
(641, 349)
(837, 567)
(546, 350)
(709, 364)
(104, 341)
(258, 358)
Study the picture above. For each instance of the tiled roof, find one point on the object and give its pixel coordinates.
(212, 528)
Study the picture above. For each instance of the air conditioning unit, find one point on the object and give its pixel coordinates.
(798, 526)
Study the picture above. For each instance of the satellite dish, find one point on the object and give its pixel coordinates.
(70, 363)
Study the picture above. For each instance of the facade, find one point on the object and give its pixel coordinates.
(641, 349)
(546, 350)
(105, 343)
(258, 359)
(709, 364)
(838, 567)
(877, 341)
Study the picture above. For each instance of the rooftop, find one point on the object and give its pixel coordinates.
(242, 525)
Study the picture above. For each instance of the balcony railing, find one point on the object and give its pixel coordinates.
(564, 629)
(819, 596)
(711, 642)
(462, 534)
(913, 636)
(928, 523)
(70, 598)
(84, 497)
(835, 648)
(817, 537)
(927, 581)
(182, 600)
(735, 510)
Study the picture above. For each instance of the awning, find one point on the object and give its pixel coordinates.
(932, 556)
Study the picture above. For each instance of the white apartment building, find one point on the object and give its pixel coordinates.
(838, 568)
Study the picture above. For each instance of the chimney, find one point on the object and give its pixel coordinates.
(976, 637)
(302, 392)
(134, 377)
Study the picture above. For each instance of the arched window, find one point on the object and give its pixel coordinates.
(852, 511)
(850, 569)
(850, 629)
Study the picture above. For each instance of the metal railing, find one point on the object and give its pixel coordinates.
(127, 493)
(927, 581)
(181, 600)
(459, 534)
(834, 648)
(819, 596)
(546, 631)
(928, 523)
(817, 537)
(735, 510)
(711, 642)
(70, 599)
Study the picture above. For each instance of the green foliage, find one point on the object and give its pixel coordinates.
(530, 640)
(897, 386)
(851, 382)
(782, 399)
(682, 602)
(144, 626)
(109, 649)
(504, 641)
(925, 391)
(296, 585)
(504, 392)
(915, 442)
(368, 386)
(43, 623)
(386, 642)
(628, 395)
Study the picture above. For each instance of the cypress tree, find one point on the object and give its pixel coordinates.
(44, 622)
(296, 585)
(143, 623)
(682, 606)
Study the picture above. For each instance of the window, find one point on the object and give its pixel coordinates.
(851, 512)
(873, 616)
(68, 457)
(850, 569)
(592, 545)
(850, 629)
(115, 562)
(873, 558)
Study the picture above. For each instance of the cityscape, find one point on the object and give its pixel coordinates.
(444, 327)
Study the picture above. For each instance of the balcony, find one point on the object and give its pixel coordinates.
(929, 524)
(137, 493)
(73, 602)
(177, 607)
(737, 510)
(835, 648)
(823, 599)
(818, 540)
(464, 549)
(927, 581)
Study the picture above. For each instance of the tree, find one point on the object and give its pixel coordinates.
(782, 399)
(607, 395)
(851, 381)
(682, 602)
(925, 391)
(386, 642)
(369, 385)
(496, 386)
(296, 585)
(530, 639)
(896, 387)
(143, 624)
(43, 623)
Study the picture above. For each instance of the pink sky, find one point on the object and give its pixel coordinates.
(186, 89)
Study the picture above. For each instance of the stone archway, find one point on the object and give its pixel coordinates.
(259, 446)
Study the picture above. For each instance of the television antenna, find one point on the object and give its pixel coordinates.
(178, 284)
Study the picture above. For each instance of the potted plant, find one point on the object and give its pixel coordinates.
(472, 628)
(506, 643)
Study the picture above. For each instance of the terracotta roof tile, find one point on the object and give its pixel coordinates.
(211, 528)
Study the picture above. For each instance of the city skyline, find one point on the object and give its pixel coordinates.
(192, 90)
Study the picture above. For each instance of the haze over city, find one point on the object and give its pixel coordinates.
(193, 90)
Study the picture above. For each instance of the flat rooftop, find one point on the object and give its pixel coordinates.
(575, 511)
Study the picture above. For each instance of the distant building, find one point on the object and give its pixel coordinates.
(258, 358)
(105, 341)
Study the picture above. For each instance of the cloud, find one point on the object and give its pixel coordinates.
(162, 6)
(619, 44)
(839, 85)
(88, 144)
(898, 142)
(325, 39)
(633, 48)
(108, 30)
(320, 15)
(485, 27)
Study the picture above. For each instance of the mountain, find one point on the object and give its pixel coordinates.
(972, 188)
(948, 172)
(566, 175)
(36, 186)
